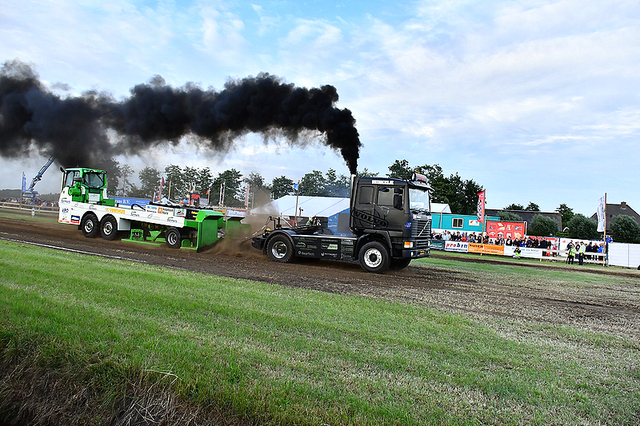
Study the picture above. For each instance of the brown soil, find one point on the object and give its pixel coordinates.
(614, 308)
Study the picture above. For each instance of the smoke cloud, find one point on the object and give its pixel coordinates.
(75, 129)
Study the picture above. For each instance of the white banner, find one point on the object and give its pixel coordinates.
(601, 212)
(456, 246)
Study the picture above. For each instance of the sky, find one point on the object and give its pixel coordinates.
(534, 100)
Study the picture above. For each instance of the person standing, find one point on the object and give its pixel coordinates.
(581, 252)
(571, 254)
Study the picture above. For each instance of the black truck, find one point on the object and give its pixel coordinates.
(389, 224)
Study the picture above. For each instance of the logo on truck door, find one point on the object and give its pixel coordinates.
(370, 219)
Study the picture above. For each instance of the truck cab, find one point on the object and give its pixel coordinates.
(396, 211)
(85, 185)
(389, 220)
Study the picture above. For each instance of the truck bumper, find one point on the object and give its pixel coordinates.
(416, 253)
(258, 243)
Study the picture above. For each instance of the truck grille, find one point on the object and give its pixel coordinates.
(421, 233)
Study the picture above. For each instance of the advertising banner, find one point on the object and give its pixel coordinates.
(456, 246)
(499, 229)
(534, 253)
(436, 244)
(486, 249)
(480, 212)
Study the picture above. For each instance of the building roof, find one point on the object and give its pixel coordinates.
(622, 209)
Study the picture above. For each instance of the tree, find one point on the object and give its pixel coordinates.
(281, 186)
(176, 180)
(583, 228)
(366, 173)
(543, 226)
(204, 180)
(336, 186)
(258, 194)
(532, 207)
(509, 217)
(125, 172)
(232, 180)
(114, 172)
(625, 229)
(567, 214)
(514, 207)
(190, 178)
(400, 170)
(149, 182)
(461, 195)
(313, 184)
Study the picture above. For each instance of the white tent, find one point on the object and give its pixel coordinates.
(319, 206)
(311, 206)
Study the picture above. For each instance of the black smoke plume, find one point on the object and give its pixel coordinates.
(75, 129)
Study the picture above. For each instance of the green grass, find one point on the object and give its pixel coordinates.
(292, 356)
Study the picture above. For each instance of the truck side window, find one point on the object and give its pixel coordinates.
(385, 196)
(69, 178)
(366, 195)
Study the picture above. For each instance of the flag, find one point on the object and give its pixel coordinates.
(601, 212)
(24, 182)
(481, 207)
(295, 186)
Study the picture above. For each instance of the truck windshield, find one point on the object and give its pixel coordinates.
(94, 180)
(419, 200)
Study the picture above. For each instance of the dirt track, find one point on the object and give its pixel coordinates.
(613, 308)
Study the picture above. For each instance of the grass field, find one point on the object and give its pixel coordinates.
(116, 330)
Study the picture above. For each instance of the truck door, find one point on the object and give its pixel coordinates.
(362, 214)
(389, 208)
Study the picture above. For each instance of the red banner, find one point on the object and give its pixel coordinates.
(499, 229)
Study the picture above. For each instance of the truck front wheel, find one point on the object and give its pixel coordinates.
(374, 257)
(89, 225)
(109, 227)
(280, 249)
(398, 264)
(173, 238)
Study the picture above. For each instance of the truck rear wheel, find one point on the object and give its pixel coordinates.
(173, 238)
(89, 225)
(109, 227)
(374, 257)
(280, 249)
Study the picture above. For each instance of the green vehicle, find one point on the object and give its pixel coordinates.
(83, 202)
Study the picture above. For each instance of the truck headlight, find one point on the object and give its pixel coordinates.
(408, 244)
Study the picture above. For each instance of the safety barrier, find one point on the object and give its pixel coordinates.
(18, 206)
(525, 252)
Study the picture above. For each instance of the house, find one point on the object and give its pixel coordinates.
(458, 222)
(613, 210)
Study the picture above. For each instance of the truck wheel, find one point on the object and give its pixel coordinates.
(89, 225)
(398, 264)
(109, 227)
(173, 238)
(374, 257)
(280, 249)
